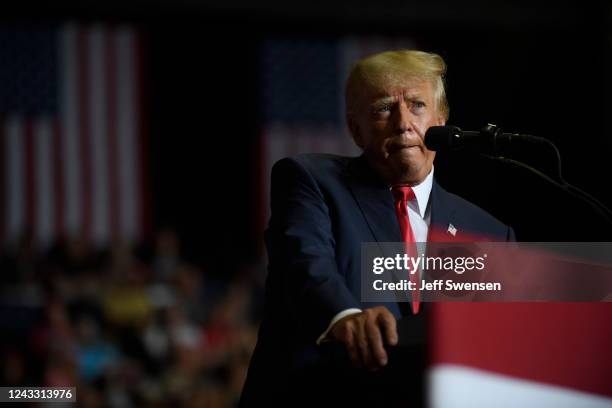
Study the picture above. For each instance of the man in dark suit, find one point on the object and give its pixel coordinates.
(324, 207)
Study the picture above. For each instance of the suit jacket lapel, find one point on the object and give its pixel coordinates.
(442, 216)
(375, 201)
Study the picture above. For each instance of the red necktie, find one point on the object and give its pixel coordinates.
(402, 195)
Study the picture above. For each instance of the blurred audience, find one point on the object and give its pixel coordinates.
(128, 328)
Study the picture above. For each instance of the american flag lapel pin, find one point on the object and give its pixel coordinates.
(452, 230)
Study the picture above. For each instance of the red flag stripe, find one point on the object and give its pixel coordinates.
(85, 142)
(111, 112)
(43, 181)
(72, 174)
(144, 202)
(98, 136)
(127, 114)
(15, 185)
(58, 181)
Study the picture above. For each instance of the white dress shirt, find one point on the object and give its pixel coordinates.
(419, 215)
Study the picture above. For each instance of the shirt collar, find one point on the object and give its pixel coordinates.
(422, 192)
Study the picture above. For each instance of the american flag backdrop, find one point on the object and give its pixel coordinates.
(71, 142)
(303, 97)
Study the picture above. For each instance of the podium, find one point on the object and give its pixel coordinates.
(401, 383)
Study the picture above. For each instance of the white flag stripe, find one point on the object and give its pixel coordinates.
(452, 386)
(128, 160)
(98, 137)
(15, 178)
(69, 134)
(44, 228)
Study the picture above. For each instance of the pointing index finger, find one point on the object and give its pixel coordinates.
(389, 326)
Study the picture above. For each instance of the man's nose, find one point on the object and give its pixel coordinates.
(403, 120)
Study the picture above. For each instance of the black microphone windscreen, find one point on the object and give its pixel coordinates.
(441, 137)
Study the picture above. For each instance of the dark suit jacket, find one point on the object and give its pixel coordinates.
(323, 208)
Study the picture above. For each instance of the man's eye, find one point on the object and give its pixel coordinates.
(418, 104)
(382, 109)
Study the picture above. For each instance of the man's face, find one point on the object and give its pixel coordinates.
(390, 127)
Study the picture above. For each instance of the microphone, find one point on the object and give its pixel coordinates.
(489, 140)
(495, 144)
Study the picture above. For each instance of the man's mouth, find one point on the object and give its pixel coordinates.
(400, 147)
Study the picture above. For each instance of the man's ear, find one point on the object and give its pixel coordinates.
(441, 121)
(354, 129)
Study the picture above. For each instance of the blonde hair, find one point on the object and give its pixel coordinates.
(395, 67)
